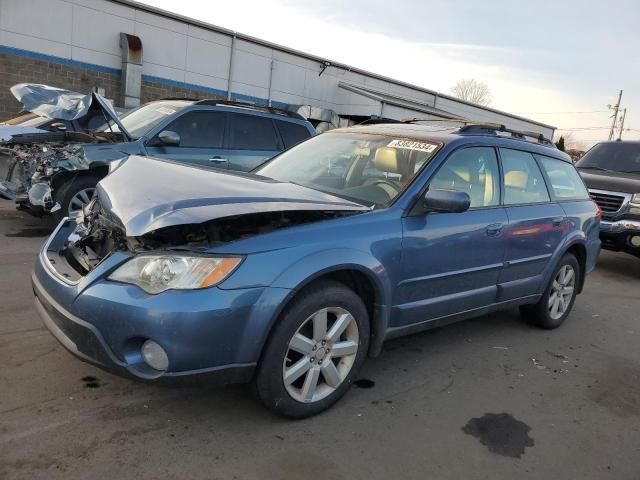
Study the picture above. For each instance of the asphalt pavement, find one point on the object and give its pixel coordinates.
(489, 398)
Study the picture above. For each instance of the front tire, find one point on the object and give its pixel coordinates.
(74, 195)
(558, 298)
(315, 350)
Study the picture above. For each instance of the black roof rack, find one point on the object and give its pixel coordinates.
(375, 120)
(254, 106)
(495, 128)
(186, 99)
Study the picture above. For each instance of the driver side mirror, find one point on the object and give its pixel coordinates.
(446, 201)
(169, 138)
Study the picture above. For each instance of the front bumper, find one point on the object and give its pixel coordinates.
(37, 203)
(621, 235)
(214, 334)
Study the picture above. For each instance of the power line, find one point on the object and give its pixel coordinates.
(584, 128)
(560, 113)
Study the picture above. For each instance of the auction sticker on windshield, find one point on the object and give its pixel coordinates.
(413, 145)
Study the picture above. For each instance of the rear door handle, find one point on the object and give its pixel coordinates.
(557, 221)
(494, 229)
(217, 159)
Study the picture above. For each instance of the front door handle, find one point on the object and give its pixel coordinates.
(217, 159)
(494, 229)
(557, 221)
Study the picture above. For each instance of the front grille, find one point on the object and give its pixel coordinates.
(609, 202)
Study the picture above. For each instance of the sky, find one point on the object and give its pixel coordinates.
(559, 62)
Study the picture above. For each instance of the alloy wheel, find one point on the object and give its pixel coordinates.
(562, 292)
(80, 200)
(320, 354)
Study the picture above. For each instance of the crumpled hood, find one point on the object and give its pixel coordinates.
(60, 104)
(146, 194)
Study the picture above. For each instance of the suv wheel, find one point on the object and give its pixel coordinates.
(315, 351)
(74, 195)
(558, 298)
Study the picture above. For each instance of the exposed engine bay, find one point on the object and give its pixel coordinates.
(31, 157)
(29, 161)
(98, 234)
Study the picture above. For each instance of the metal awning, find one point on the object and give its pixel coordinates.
(396, 101)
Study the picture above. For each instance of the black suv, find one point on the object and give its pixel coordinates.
(611, 171)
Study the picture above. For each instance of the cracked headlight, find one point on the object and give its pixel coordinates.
(157, 273)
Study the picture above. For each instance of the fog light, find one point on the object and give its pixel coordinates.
(635, 240)
(155, 356)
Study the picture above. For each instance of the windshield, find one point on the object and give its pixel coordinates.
(370, 169)
(142, 119)
(27, 120)
(618, 157)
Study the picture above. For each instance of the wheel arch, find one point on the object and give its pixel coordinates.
(62, 178)
(367, 278)
(577, 246)
(579, 250)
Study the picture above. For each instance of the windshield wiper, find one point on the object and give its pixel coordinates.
(630, 171)
(596, 168)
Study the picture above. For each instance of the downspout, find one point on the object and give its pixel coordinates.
(233, 49)
(131, 76)
(273, 65)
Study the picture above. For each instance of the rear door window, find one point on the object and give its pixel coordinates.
(566, 183)
(249, 132)
(292, 133)
(523, 180)
(200, 129)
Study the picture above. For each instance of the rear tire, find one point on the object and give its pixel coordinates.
(72, 194)
(558, 298)
(329, 358)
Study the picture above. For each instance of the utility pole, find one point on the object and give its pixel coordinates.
(616, 107)
(624, 114)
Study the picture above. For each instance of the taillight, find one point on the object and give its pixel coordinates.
(598, 211)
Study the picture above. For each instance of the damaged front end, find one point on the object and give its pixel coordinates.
(30, 161)
(98, 234)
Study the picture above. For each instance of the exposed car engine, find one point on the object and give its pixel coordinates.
(98, 234)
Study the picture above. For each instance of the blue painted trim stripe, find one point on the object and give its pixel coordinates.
(59, 60)
(185, 85)
(214, 91)
(149, 78)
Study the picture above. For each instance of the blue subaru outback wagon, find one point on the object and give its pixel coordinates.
(292, 274)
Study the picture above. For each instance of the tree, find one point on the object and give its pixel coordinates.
(473, 91)
(560, 144)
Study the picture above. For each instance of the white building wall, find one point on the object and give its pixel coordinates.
(176, 50)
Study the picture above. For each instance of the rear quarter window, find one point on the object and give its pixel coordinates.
(292, 133)
(566, 183)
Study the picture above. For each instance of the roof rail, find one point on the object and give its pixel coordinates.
(495, 128)
(186, 99)
(440, 119)
(254, 106)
